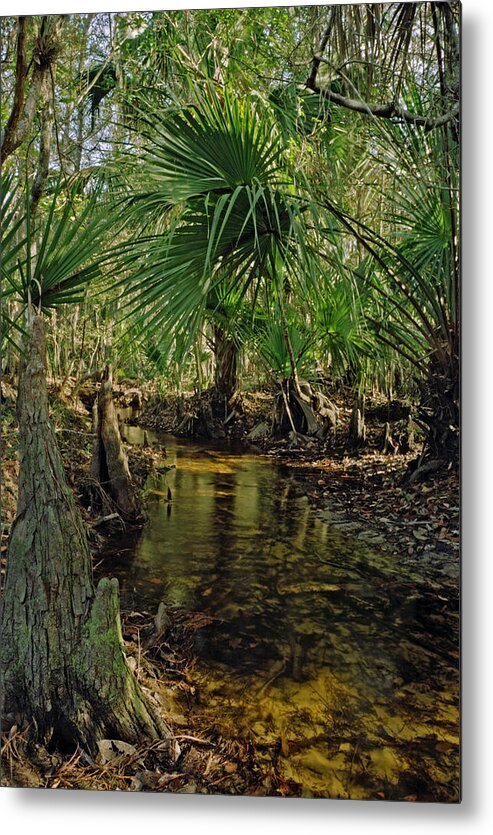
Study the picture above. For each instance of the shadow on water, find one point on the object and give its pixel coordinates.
(340, 665)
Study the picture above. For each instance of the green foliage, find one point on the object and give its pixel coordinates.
(234, 196)
(217, 169)
(52, 264)
(412, 272)
(272, 347)
(339, 322)
(101, 79)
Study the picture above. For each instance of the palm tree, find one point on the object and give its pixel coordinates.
(64, 671)
(411, 271)
(235, 227)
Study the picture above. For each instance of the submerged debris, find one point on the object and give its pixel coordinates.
(262, 747)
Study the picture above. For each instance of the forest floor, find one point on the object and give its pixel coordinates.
(367, 494)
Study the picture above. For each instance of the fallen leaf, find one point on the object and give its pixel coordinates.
(444, 747)
(420, 534)
(111, 749)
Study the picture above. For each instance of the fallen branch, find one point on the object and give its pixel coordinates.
(103, 519)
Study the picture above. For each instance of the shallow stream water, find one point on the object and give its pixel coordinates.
(338, 663)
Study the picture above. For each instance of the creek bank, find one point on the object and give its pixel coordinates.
(362, 491)
(366, 490)
(364, 494)
(369, 497)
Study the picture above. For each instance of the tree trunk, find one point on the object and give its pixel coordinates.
(64, 671)
(439, 408)
(357, 428)
(25, 106)
(309, 413)
(109, 462)
(226, 371)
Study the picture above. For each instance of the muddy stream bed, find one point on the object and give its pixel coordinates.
(334, 658)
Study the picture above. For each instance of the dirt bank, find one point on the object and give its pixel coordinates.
(362, 491)
(360, 488)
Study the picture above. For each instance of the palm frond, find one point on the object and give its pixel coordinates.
(217, 168)
(53, 264)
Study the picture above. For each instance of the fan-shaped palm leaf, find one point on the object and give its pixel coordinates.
(219, 165)
(216, 144)
(273, 350)
(53, 265)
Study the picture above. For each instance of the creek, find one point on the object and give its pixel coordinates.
(339, 663)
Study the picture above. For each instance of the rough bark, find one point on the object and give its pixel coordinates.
(357, 428)
(47, 124)
(109, 462)
(226, 370)
(7, 143)
(25, 106)
(64, 671)
(439, 409)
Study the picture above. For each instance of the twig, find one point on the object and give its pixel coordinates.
(272, 679)
(196, 739)
(103, 519)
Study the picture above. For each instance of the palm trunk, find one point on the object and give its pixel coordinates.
(226, 372)
(64, 671)
(439, 408)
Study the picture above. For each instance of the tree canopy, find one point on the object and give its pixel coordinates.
(253, 165)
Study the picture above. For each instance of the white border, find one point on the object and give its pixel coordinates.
(83, 812)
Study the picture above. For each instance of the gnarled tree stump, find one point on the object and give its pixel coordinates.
(357, 428)
(109, 468)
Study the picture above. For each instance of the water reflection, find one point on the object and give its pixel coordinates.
(318, 645)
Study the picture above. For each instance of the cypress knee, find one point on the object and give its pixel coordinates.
(109, 470)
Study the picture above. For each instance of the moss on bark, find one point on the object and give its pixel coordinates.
(64, 671)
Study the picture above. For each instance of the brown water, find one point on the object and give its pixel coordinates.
(336, 661)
